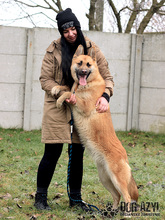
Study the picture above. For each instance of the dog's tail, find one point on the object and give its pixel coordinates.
(133, 190)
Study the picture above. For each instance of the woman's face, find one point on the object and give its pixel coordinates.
(70, 34)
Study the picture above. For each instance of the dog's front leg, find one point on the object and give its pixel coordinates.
(57, 89)
(62, 98)
(74, 87)
(65, 95)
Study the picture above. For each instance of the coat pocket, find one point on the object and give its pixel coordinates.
(57, 71)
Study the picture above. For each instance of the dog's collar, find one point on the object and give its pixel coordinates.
(82, 87)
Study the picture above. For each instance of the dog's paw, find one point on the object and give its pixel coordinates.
(55, 90)
(59, 103)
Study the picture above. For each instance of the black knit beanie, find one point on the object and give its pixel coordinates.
(66, 19)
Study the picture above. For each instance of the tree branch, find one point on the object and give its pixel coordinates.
(161, 13)
(154, 9)
(41, 6)
(21, 5)
(133, 10)
(58, 3)
(117, 15)
(28, 16)
(32, 6)
(50, 6)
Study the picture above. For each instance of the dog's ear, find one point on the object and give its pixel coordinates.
(79, 51)
(92, 53)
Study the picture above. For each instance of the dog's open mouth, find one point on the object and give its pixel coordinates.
(82, 77)
(82, 80)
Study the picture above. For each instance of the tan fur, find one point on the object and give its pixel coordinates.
(56, 89)
(97, 133)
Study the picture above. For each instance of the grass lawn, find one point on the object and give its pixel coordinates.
(21, 152)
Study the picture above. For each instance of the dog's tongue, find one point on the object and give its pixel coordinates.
(82, 81)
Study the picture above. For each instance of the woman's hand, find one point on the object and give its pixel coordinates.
(72, 99)
(102, 105)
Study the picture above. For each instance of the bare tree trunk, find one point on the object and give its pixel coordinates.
(95, 15)
(91, 15)
(99, 15)
(132, 18)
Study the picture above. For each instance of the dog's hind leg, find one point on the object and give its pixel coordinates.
(121, 179)
(133, 190)
(107, 183)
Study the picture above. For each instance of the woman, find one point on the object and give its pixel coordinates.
(56, 122)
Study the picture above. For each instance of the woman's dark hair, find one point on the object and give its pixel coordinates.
(68, 51)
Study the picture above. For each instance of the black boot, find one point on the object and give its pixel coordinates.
(75, 200)
(41, 201)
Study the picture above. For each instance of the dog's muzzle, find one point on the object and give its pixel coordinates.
(82, 75)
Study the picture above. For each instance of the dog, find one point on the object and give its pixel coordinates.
(96, 130)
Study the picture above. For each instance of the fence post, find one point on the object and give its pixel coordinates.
(28, 81)
(134, 82)
(131, 82)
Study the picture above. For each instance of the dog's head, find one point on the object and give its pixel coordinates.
(84, 68)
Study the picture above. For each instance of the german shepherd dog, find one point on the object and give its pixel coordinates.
(96, 130)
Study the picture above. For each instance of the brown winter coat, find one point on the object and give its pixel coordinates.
(55, 122)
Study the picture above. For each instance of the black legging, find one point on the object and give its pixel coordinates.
(48, 164)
